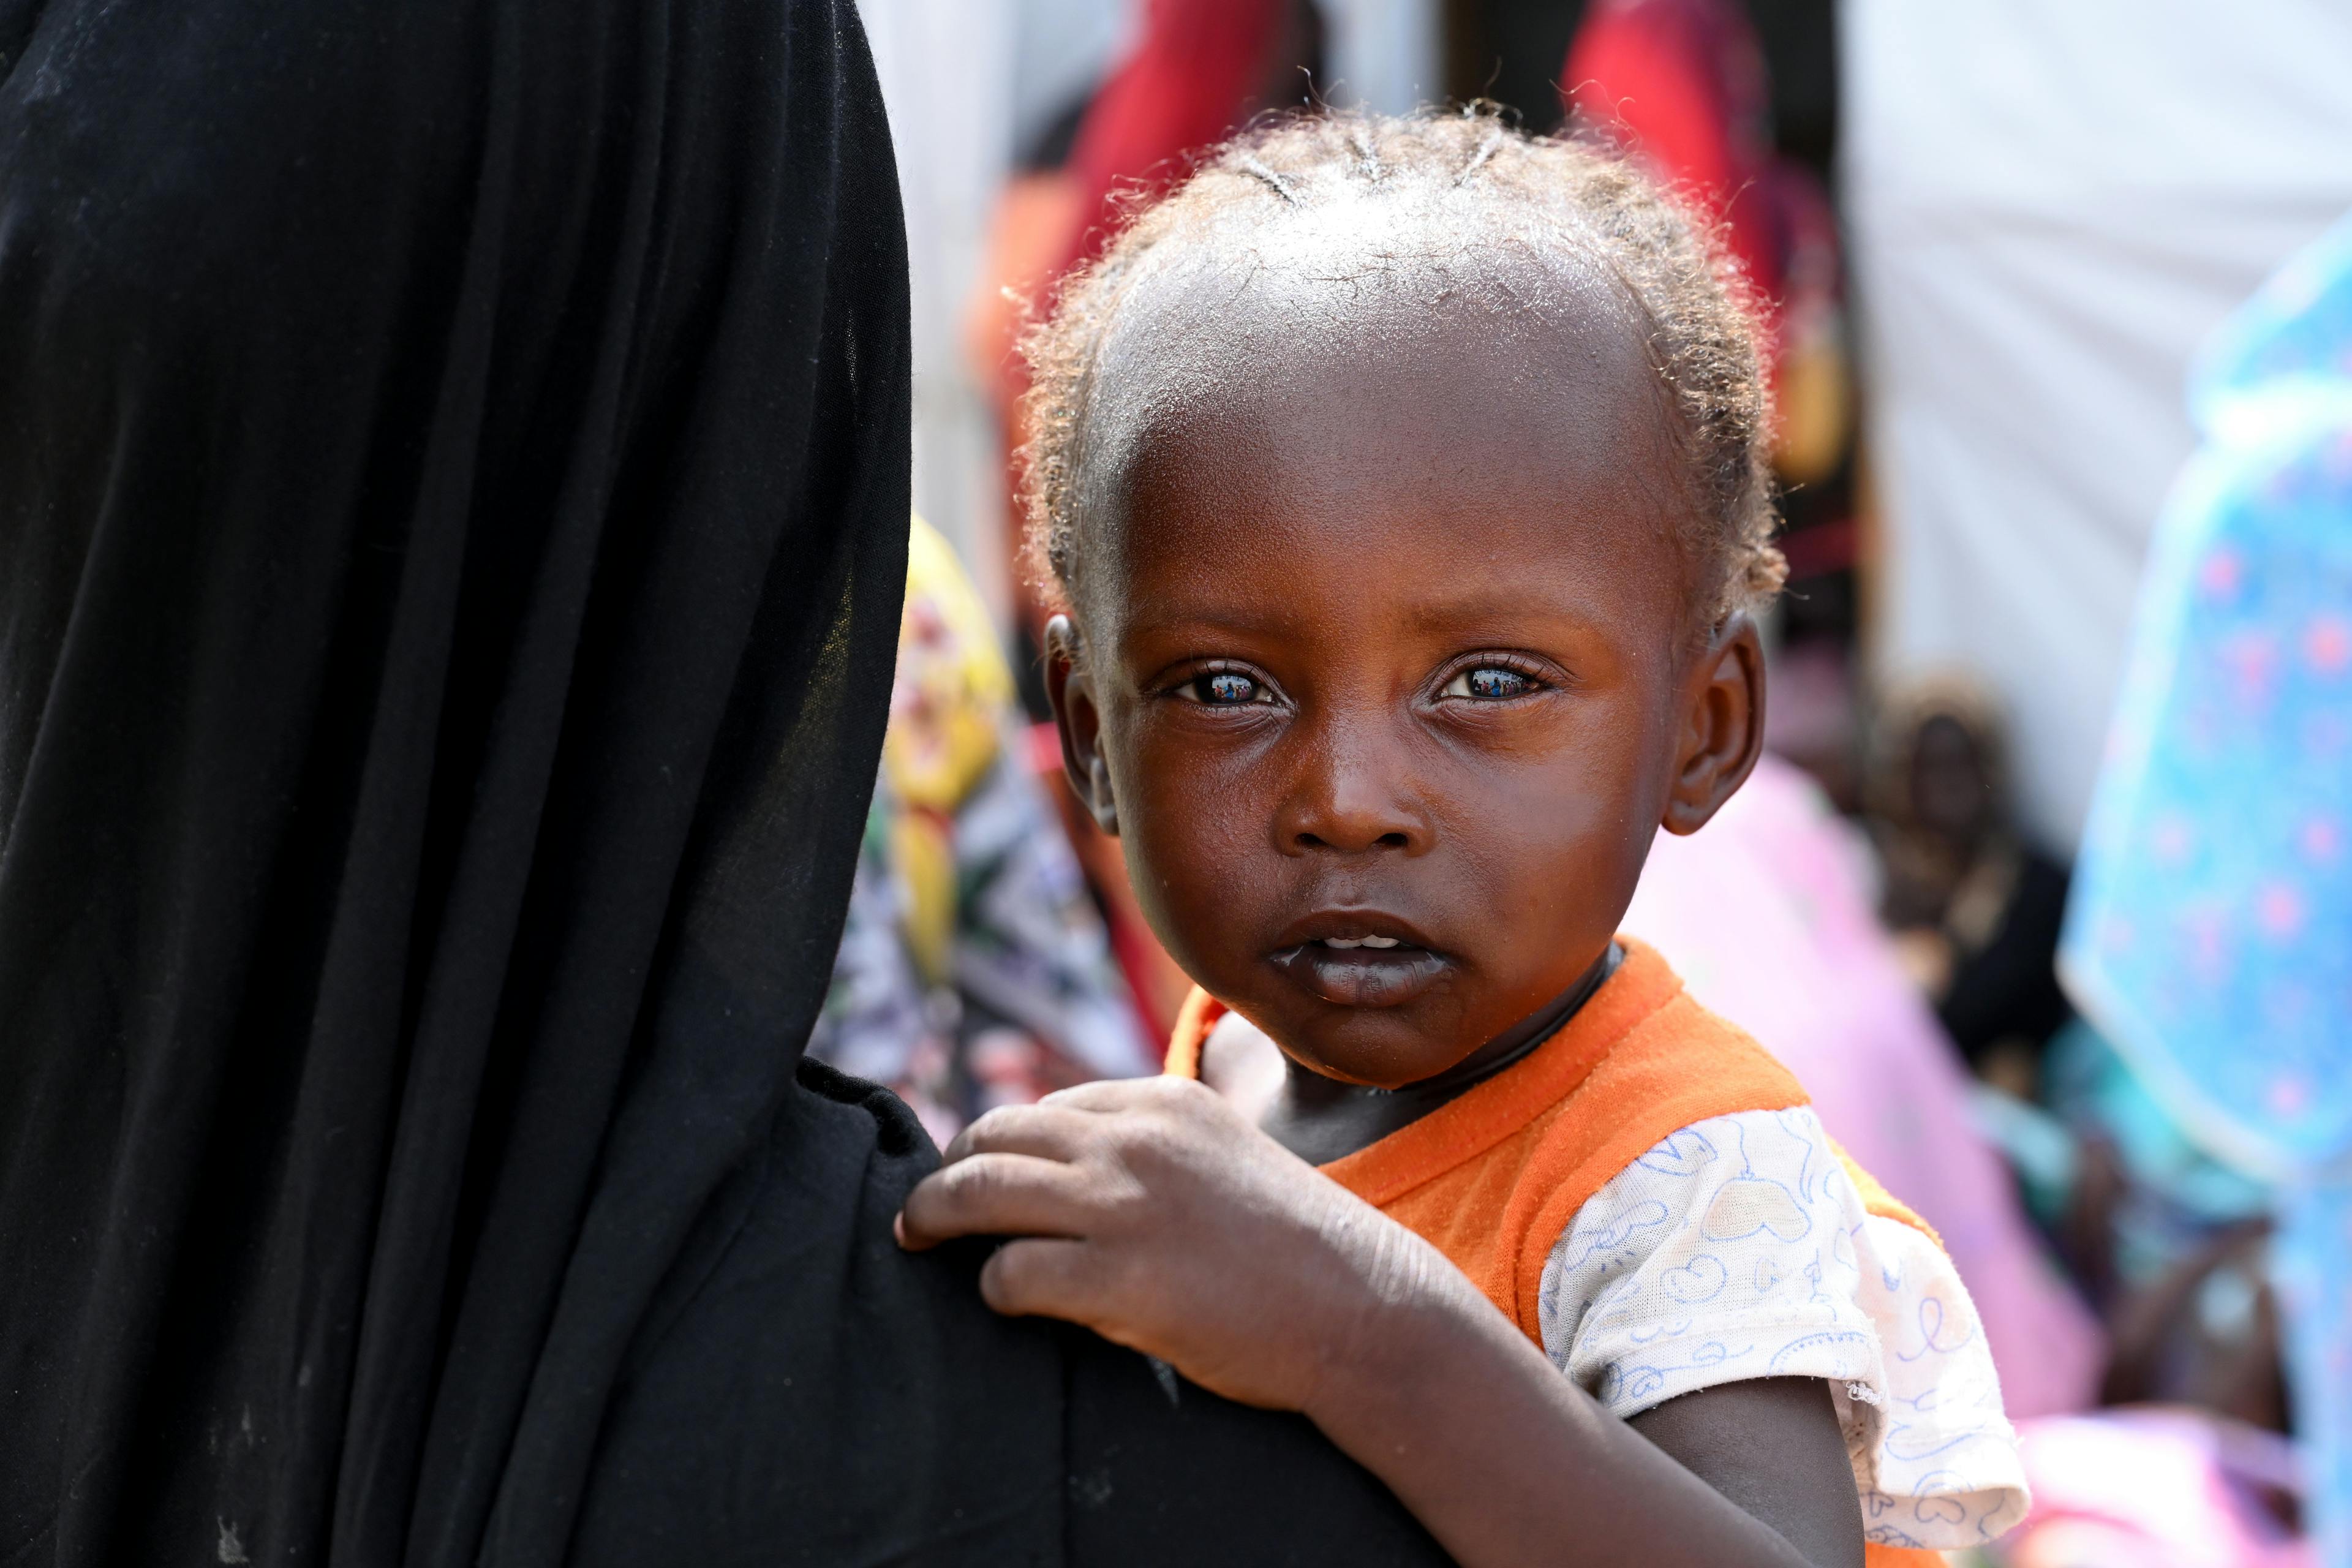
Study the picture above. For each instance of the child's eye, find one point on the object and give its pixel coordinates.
(1489, 683)
(1224, 689)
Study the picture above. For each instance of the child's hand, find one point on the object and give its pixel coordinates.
(1153, 1213)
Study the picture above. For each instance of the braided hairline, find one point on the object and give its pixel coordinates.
(1701, 338)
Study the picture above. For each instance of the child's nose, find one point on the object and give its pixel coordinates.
(1352, 799)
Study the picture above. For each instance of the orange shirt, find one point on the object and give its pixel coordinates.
(1493, 1177)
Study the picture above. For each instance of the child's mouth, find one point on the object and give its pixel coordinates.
(1363, 971)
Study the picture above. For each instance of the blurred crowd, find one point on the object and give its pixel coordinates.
(2041, 888)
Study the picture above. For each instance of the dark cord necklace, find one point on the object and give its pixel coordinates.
(1336, 1119)
(1522, 1039)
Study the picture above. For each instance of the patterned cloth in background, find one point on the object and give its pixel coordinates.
(974, 971)
(2210, 933)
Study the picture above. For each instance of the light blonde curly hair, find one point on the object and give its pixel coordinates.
(1485, 198)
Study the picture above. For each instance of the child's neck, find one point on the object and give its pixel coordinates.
(1321, 1119)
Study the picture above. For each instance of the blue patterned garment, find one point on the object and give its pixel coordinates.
(2210, 935)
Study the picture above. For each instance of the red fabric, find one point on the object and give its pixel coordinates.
(1681, 83)
(1195, 73)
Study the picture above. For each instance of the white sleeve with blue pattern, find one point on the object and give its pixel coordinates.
(1739, 1248)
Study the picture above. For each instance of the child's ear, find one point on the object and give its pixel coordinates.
(1723, 725)
(1071, 690)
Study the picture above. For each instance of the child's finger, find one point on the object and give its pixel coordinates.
(1041, 1277)
(994, 1195)
(1116, 1094)
(1048, 1131)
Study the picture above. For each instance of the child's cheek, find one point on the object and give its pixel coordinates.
(1196, 841)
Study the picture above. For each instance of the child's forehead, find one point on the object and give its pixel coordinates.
(1368, 300)
(1317, 366)
(1486, 472)
(1376, 377)
(1328, 280)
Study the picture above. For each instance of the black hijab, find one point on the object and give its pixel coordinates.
(452, 523)
(453, 498)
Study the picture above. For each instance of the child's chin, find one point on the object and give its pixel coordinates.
(1388, 1048)
(1375, 1068)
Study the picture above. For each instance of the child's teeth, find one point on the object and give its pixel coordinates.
(1351, 941)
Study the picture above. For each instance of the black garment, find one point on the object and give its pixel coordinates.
(452, 512)
(803, 1392)
(2008, 989)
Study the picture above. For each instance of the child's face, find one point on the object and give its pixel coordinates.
(1396, 648)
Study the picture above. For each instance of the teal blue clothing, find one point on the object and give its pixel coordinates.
(2210, 935)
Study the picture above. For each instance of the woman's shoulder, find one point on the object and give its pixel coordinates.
(792, 1318)
(787, 1300)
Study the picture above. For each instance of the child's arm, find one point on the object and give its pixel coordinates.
(1151, 1212)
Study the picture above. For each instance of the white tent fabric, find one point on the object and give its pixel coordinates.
(1383, 53)
(949, 70)
(2049, 206)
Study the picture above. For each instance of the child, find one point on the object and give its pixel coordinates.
(1403, 483)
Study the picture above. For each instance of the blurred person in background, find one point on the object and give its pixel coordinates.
(973, 970)
(2210, 937)
(1975, 907)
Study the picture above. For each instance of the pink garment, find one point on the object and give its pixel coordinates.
(2154, 1488)
(1766, 915)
